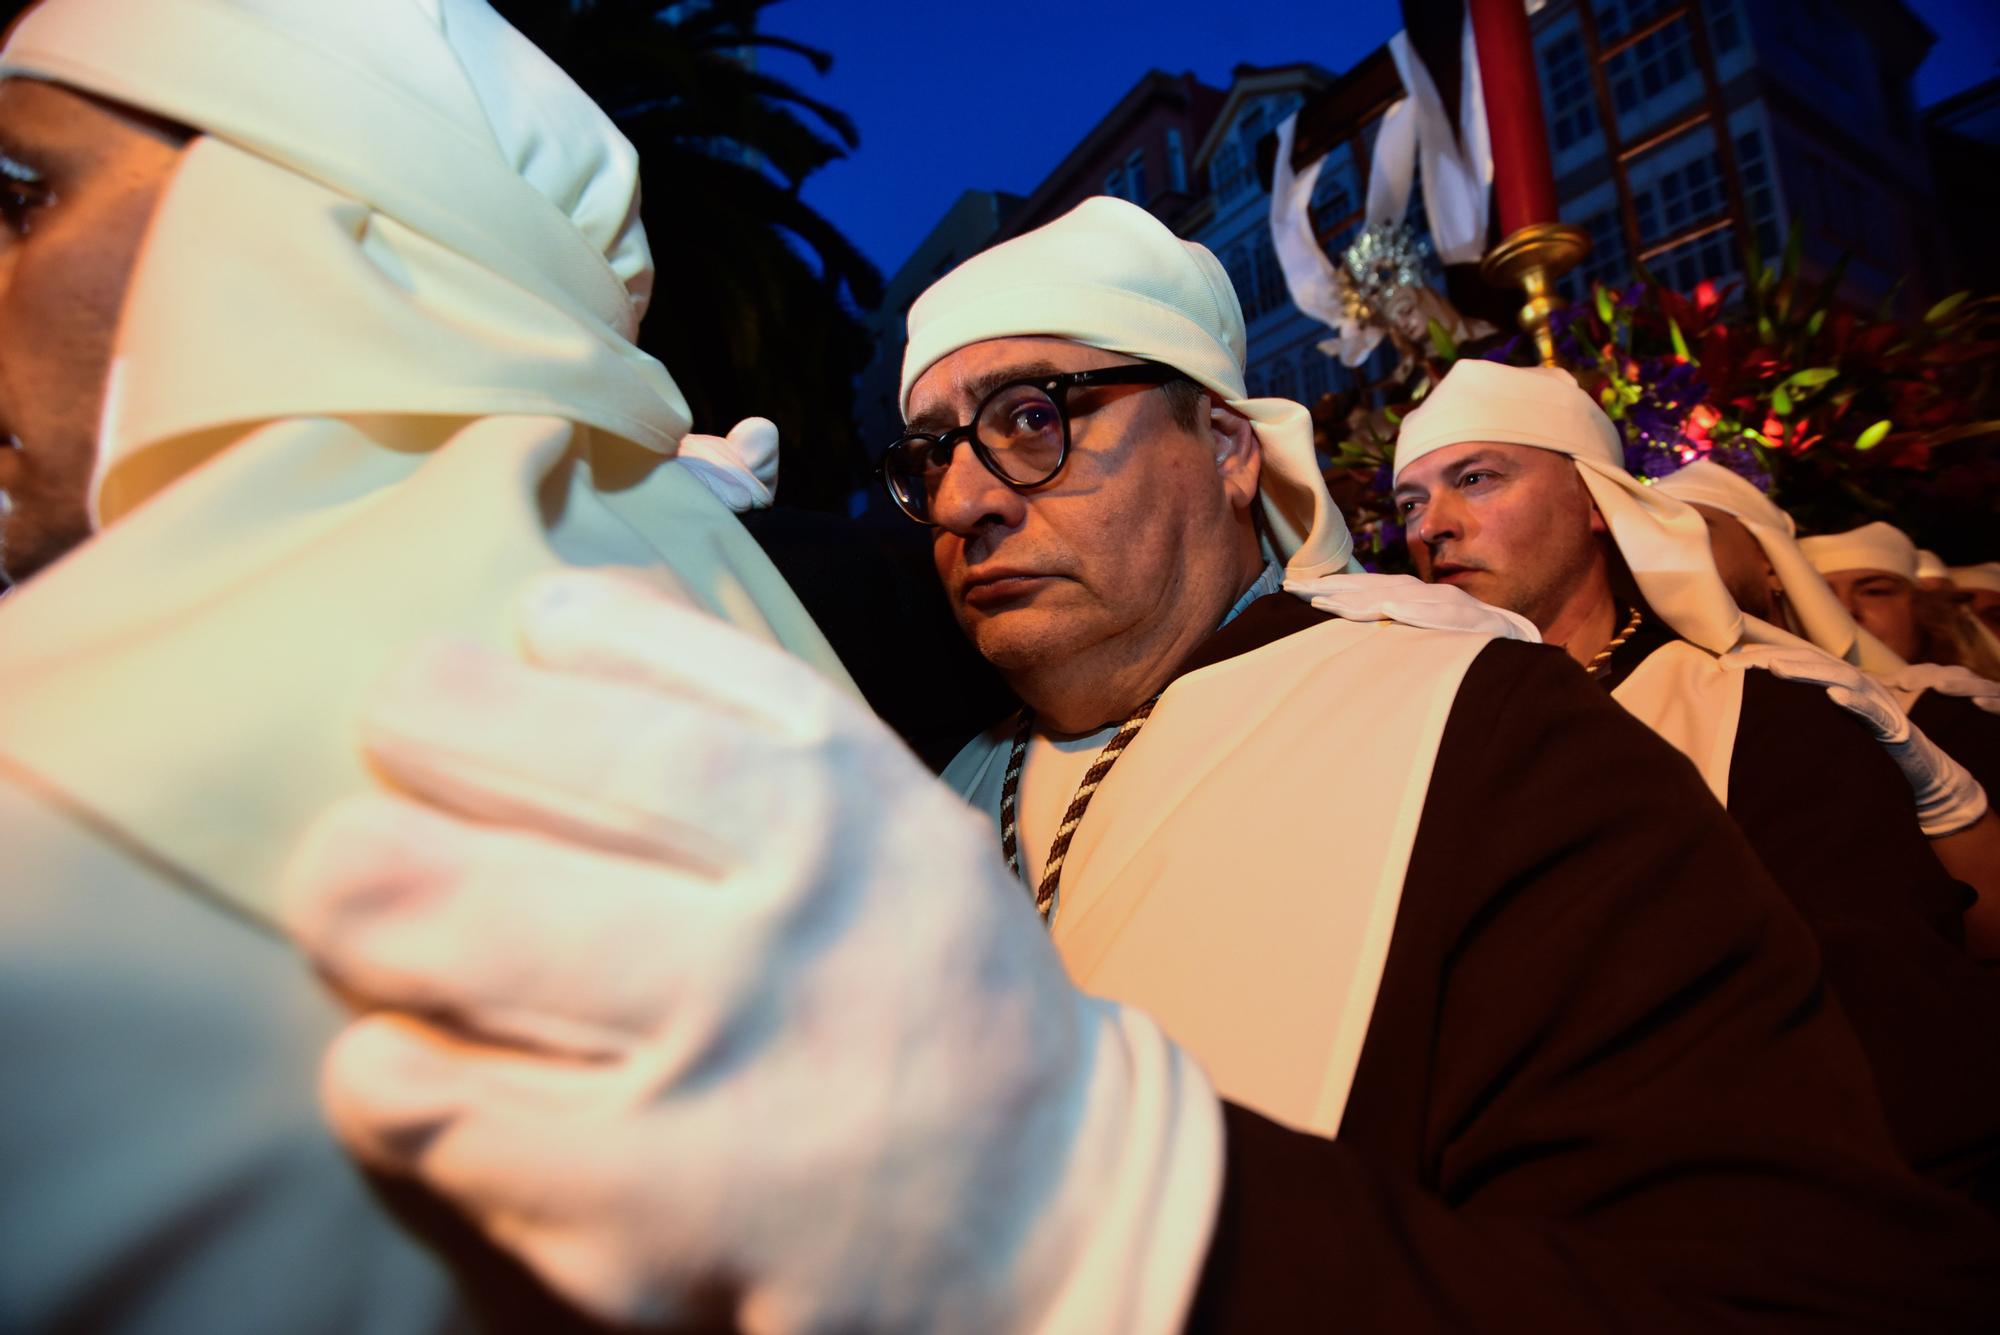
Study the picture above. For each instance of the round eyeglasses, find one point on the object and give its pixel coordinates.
(1020, 433)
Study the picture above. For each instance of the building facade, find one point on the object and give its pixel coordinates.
(975, 219)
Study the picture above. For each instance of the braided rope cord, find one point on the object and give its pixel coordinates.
(1045, 893)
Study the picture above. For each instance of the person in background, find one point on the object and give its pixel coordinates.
(1513, 486)
(1770, 577)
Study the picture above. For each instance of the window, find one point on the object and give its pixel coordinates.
(1660, 63)
(1280, 384)
(1176, 161)
(1135, 177)
(1760, 198)
(1725, 30)
(1242, 278)
(1271, 290)
(1315, 373)
(1227, 173)
(1607, 262)
(1566, 90)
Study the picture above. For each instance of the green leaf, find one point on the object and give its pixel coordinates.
(1811, 378)
(1395, 418)
(1442, 342)
(1814, 325)
(1766, 332)
(1781, 402)
(1680, 343)
(1941, 312)
(1603, 304)
(1872, 437)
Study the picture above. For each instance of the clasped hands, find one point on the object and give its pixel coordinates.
(679, 975)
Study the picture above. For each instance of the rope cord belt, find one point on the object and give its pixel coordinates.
(1601, 662)
(1010, 843)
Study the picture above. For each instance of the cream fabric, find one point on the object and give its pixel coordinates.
(1691, 700)
(1876, 546)
(619, 855)
(1984, 576)
(1930, 565)
(1110, 275)
(1663, 541)
(411, 168)
(1822, 618)
(1411, 602)
(373, 371)
(1198, 887)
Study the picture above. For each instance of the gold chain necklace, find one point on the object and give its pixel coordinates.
(1596, 666)
(1010, 788)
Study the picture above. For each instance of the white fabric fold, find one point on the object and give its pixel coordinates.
(1456, 160)
(416, 156)
(1948, 798)
(741, 469)
(1876, 546)
(1110, 275)
(1411, 602)
(1983, 576)
(608, 867)
(373, 370)
(1821, 616)
(1315, 282)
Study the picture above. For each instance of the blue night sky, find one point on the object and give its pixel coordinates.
(950, 96)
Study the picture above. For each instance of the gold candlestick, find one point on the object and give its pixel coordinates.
(1532, 259)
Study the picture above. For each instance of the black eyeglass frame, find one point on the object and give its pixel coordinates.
(1055, 387)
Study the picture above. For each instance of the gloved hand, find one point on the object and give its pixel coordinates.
(1410, 601)
(1948, 798)
(1917, 678)
(696, 988)
(740, 469)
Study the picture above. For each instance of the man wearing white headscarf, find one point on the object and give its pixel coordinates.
(1772, 578)
(1513, 487)
(1980, 585)
(1364, 1000)
(355, 286)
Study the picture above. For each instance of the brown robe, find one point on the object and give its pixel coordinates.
(1604, 1085)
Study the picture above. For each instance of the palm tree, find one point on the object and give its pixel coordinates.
(754, 306)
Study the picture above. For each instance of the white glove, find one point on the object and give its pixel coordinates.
(724, 999)
(1948, 798)
(1410, 601)
(1917, 678)
(740, 469)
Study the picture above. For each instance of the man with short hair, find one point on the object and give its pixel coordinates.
(1513, 488)
(1494, 1044)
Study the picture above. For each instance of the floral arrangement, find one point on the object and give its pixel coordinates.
(1842, 415)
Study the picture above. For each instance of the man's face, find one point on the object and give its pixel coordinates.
(1746, 571)
(1510, 524)
(78, 181)
(1884, 603)
(1114, 554)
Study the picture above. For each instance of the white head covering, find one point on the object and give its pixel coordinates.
(1983, 576)
(1822, 618)
(1930, 565)
(1110, 275)
(373, 372)
(412, 168)
(1876, 546)
(1663, 541)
